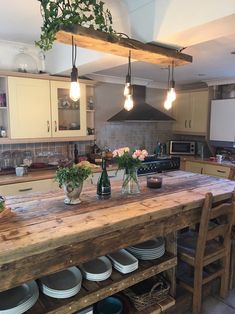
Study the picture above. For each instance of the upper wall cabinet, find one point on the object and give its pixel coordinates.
(222, 126)
(68, 117)
(190, 111)
(42, 109)
(29, 107)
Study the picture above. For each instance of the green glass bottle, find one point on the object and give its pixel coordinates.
(103, 184)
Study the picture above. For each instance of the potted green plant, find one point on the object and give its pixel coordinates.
(58, 13)
(71, 179)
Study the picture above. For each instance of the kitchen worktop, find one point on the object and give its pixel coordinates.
(39, 175)
(225, 163)
(43, 235)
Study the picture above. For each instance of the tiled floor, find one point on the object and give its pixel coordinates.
(216, 305)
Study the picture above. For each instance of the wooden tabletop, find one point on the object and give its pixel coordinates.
(43, 235)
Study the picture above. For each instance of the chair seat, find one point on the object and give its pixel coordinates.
(187, 243)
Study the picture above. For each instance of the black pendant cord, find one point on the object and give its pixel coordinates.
(169, 74)
(74, 53)
(172, 71)
(129, 65)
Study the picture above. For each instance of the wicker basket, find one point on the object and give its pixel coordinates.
(158, 291)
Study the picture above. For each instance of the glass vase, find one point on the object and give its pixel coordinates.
(130, 183)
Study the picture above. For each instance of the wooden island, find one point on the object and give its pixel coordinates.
(42, 235)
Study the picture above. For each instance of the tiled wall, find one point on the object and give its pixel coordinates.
(134, 134)
(108, 101)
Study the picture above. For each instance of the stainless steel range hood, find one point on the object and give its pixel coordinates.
(141, 111)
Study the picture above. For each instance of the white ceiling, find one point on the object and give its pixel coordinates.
(209, 38)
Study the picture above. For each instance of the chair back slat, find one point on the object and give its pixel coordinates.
(224, 214)
(220, 230)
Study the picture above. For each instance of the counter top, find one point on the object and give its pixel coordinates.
(38, 175)
(43, 235)
(225, 163)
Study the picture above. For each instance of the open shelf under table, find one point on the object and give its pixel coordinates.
(93, 292)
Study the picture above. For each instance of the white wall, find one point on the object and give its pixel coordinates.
(9, 50)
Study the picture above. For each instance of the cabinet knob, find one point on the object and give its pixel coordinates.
(185, 124)
(55, 126)
(48, 126)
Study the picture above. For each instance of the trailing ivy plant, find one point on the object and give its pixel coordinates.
(57, 13)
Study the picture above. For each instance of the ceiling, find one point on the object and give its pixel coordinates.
(208, 36)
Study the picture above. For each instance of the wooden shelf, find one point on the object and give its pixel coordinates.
(101, 41)
(47, 140)
(93, 292)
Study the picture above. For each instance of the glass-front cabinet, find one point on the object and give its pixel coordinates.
(68, 116)
(3, 108)
(34, 108)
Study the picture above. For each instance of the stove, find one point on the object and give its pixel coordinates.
(154, 164)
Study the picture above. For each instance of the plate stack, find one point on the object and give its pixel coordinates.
(98, 269)
(123, 261)
(63, 284)
(148, 250)
(20, 299)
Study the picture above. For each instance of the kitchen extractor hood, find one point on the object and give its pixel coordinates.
(141, 111)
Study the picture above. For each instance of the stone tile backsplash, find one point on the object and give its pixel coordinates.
(133, 134)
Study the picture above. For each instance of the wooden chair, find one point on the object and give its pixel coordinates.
(212, 243)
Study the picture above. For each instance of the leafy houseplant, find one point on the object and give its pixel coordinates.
(57, 13)
(71, 180)
(130, 162)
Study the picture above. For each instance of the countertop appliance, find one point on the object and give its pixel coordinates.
(153, 164)
(182, 148)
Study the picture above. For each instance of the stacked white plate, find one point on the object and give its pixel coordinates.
(63, 284)
(20, 299)
(123, 261)
(148, 250)
(98, 269)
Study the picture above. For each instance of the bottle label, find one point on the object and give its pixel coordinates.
(105, 190)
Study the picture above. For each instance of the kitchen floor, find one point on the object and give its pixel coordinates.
(216, 305)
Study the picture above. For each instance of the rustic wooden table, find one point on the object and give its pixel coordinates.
(43, 235)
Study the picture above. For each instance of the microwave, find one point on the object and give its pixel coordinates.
(182, 148)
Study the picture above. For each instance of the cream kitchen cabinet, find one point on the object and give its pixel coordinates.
(28, 187)
(222, 126)
(190, 111)
(41, 108)
(29, 107)
(208, 169)
(68, 117)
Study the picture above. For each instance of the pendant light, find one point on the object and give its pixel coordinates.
(171, 92)
(128, 104)
(74, 86)
(168, 101)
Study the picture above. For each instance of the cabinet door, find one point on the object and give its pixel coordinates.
(195, 167)
(29, 108)
(181, 112)
(28, 187)
(216, 171)
(199, 114)
(68, 117)
(222, 127)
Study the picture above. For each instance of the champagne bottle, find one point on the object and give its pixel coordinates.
(103, 184)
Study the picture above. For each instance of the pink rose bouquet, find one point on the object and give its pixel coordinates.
(128, 160)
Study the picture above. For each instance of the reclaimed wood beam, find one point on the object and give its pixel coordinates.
(105, 42)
